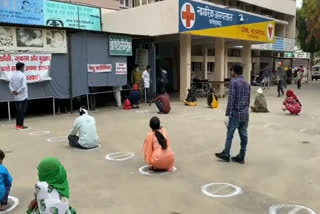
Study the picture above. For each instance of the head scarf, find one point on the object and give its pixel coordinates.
(135, 87)
(83, 111)
(50, 170)
(260, 91)
(290, 93)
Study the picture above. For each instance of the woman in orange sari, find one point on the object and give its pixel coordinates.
(157, 151)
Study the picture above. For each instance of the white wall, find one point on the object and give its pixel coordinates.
(283, 6)
(155, 19)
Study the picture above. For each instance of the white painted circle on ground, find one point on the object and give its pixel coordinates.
(142, 111)
(88, 150)
(57, 139)
(302, 130)
(15, 203)
(268, 125)
(145, 170)
(290, 209)
(216, 187)
(36, 133)
(119, 156)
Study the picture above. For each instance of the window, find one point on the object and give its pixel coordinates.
(210, 67)
(195, 66)
(125, 3)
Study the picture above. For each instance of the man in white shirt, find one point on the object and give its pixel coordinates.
(85, 125)
(146, 82)
(19, 88)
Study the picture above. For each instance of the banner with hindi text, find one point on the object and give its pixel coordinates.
(37, 66)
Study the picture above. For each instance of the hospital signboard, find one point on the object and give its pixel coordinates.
(205, 19)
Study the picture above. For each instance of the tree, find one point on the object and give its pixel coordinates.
(313, 19)
(305, 37)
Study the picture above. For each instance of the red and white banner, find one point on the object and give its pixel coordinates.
(121, 68)
(99, 68)
(37, 66)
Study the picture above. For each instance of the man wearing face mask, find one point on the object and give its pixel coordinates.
(85, 125)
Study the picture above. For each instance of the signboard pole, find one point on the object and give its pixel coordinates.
(9, 111)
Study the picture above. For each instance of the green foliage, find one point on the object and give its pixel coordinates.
(308, 25)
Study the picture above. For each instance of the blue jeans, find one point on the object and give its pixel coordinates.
(242, 127)
(159, 105)
(21, 107)
(4, 200)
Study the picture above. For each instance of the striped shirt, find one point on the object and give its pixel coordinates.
(239, 99)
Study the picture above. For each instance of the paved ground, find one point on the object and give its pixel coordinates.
(282, 164)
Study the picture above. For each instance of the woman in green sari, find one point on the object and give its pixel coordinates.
(52, 190)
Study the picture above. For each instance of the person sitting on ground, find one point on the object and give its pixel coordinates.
(260, 102)
(134, 96)
(52, 190)
(292, 103)
(85, 125)
(127, 104)
(162, 102)
(191, 98)
(5, 184)
(212, 99)
(157, 151)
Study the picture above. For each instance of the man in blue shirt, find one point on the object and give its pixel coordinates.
(238, 115)
(5, 184)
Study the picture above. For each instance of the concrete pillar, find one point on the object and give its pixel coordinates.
(226, 63)
(204, 64)
(246, 61)
(185, 65)
(219, 64)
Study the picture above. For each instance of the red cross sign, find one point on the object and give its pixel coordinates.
(188, 15)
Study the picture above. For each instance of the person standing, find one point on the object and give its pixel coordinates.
(299, 76)
(19, 88)
(281, 78)
(163, 80)
(266, 77)
(237, 115)
(136, 76)
(146, 82)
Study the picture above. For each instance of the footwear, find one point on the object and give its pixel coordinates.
(25, 127)
(279, 95)
(19, 127)
(238, 159)
(223, 157)
(4, 207)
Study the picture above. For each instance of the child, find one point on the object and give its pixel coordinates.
(292, 103)
(157, 151)
(5, 184)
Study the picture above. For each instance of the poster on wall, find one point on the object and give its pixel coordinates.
(66, 15)
(32, 40)
(121, 68)
(142, 58)
(37, 66)
(120, 45)
(99, 68)
(26, 12)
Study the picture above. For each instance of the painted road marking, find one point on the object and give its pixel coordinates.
(142, 111)
(36, 133)
(88, 150)
(119, 156)
(220, 186)
(303, 130)
(289, 209)
(15, 204)
(268, 125)
(57, 139)
(144, 170)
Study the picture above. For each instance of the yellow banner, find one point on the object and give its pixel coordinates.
(258, 32)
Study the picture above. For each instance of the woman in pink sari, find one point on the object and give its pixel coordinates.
(157, 151)
(292, 103)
